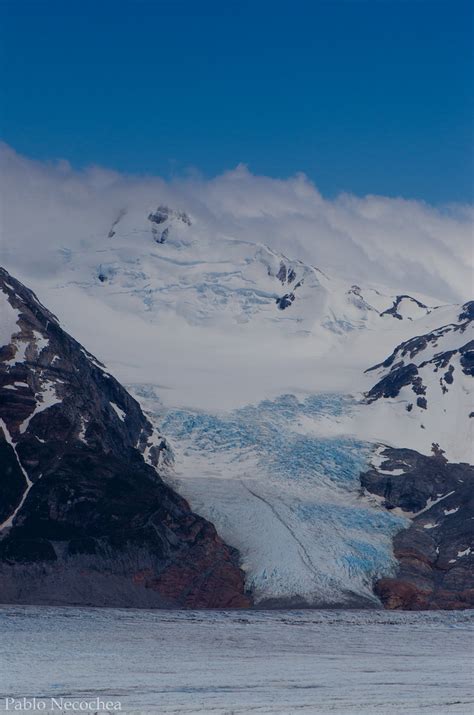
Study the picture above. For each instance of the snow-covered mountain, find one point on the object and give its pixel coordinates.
(423, 390)
(246, 323)
(163, 261)
(258, 369)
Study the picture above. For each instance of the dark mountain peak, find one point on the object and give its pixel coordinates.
(85, 515)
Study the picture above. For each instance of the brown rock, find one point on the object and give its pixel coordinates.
(436, 553)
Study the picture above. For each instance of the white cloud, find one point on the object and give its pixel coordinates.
(406, 245)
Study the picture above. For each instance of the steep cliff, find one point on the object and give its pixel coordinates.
(435, 553)
(85, 517)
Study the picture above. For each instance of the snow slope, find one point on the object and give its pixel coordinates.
(422, 393)
(217, 322)
(246, 321)
(167, 263)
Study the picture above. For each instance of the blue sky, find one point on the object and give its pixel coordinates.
(368, 96)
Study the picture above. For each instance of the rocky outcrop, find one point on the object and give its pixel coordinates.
(403, 366)
(286, 274)
(436, 552)
(85, 517)
(164, 215)
(439, 352)
(403, 305)
(430, 376)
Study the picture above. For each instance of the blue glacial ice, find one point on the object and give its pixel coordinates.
(286, 496)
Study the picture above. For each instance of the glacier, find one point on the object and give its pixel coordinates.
(288, 498)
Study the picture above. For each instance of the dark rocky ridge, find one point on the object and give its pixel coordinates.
(85, 517)
(393, 310)
(405, 365)
(436, 552)
(287, 275)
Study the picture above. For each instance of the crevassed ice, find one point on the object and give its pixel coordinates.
(287, 497)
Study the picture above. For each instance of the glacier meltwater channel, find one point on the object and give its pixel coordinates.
(286, 493)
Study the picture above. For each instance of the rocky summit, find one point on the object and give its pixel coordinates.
(85, 517)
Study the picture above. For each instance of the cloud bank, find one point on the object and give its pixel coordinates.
(49, 208)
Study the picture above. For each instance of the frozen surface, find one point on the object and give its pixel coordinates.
(285, 492)
(327, 662)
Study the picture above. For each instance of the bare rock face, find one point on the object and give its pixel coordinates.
(400, 302)
(164, 217)
(436, 552)
(85, 517)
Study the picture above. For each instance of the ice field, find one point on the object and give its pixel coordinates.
(218, 663)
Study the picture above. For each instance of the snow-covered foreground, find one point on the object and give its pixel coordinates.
(329, 662)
